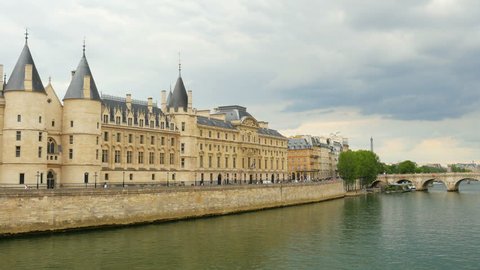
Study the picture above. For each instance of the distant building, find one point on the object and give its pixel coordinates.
(314, 157)
(474, 167)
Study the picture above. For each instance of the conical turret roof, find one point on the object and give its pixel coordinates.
(17, 78)
(179, 97)
(76, 88)
(169, 98)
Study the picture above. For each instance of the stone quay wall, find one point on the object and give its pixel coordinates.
(28, 211)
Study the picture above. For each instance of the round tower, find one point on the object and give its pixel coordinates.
(24, 137)
(81, 164)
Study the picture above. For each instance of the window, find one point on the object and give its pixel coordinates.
(130, 138)
(226, 162)
(183, 126)
(105, 136)
(162, 125)
(129, 121)
(97, 140)
(71, 139)
(218, 162)
(117, 120)
(201, 146)
(151, 158)
(162, 140)
(172, 142)
(162, 158)
(201, 133)
(226, 136)
(106, 176)
(172, 126)
(140, 157)
(96, 154)
(70, 153)
(209, 161)
(140, 122)
(39, 119)
(71, 123)
(141, 139)
(19, 135)
(182, 148)
(53, 123)
(201, 161)
(105, 118)
(153, 176)
(40, 136)
(17, 151)
(130, 176)
(172, 158)
(51, 146)
(22, 179)
(234, 163)
(152, 125)
(104, 156)
(209, 134)
(173, 176)
(19, 118)
(182, 162)
(117, 156)
(39, 152)
(119, 136)
(98, 125)
(129, 157)
(152, 140)
(218, 135)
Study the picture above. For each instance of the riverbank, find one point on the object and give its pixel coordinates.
(30, 211)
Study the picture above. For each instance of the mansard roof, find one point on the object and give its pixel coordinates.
(233, 112)
(17, 78)
(270, 132)
(179, 98)
(137, 107)
(202, 120)
(75, 90)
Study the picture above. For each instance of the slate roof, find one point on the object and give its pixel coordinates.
(298, 143)
(270, 132)
(75, 89)
(138, 107)
(179, 98)
(202, 120)
(233, 112)
(17, 78)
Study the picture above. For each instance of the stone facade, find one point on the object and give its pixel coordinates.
(49, 210)
(89, 138)
(314, 157)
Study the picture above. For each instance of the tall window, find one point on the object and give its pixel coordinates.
(172, 158)
(130, 138)
(22, 179)
(140, 122)
(234, 163)
(140, 157)
(226, 162)
(209, 161)
(71, 139)
(172, 142)
(104, 156)
(39, 152)
(17, 151)
(218, 162)
(152, 140)
(201, 161)
(105, 136)
(70, 153)
(39, 119)
(129, 157)
(183, 126)
(162, 140)
(71, 123)
(119, 136)
(19, 135)
(182, 148)
(117, 156)
(19, 118)
(105, 118)
(162, 158)
(51, 146)
(182, 162)
(151, 158)
(129, 121)
(40, 136)
(117, 120)
(141, 139)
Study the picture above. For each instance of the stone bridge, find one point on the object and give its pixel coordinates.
(422, 180)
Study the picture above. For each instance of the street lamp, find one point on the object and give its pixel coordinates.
(123, 181)
(95, 179)
(38, 175)
(85, 179)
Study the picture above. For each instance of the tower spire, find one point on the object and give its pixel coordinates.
(83, 46)
(26, 36)
(179, 65)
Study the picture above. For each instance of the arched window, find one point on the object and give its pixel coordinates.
(51, 146)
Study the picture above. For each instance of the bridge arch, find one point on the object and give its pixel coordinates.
(378, 183)
(427, 182)
(404, 181)
(459, 181)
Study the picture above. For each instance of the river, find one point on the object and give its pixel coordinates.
(417, 230)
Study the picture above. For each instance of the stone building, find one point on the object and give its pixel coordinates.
(91, 138)
(314, 157)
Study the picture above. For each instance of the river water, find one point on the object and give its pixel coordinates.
(418, 230)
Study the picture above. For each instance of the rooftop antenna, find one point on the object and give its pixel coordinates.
(371, 144)
(49, 79)
(26, 35)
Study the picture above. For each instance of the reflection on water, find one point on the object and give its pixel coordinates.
(418, 230)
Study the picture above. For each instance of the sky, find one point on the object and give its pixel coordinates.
(403, 72)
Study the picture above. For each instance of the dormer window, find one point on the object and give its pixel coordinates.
(117, 120)
(105, 118)
(140, 122)
(130, 121)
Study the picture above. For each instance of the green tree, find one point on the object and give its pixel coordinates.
(367, 166)
(407, 166)
(347, 168)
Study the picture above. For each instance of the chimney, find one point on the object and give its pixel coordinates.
(128, 100)
(1, 77)
(73, 73)
(28, 77)
(189, 99)
(164, 100)
(150, 104)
